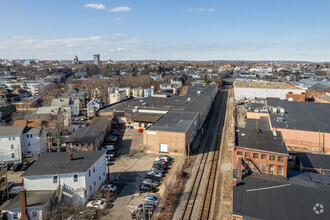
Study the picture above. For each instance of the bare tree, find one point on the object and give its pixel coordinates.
(55, 131)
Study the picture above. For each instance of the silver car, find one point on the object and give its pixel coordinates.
(150, 182)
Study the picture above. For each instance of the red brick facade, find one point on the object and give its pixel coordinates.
(295, 97)
(267, 162)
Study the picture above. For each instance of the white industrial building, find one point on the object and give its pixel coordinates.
(264, 89)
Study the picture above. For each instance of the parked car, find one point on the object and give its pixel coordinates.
(115, 133)
(7, 166)
(146, 207)
(151, 199)
(147, 188)
(111, 154)
(158, 170)
(139, 215)
(140, 130)
(160, 166)
(155, 173)
(148, 176)
(16, 167)
(166, 159)
(150, 182)
(99, 204)
(25, 166)
(109, 147)
(109, 188)
(160, 162)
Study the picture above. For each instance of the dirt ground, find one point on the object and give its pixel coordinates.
(222, 206)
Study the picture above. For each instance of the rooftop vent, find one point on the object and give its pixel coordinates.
(274, 133)
(188, 99)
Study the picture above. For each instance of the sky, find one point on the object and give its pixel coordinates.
(166, 30)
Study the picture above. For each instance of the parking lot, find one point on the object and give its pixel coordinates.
(127, 172)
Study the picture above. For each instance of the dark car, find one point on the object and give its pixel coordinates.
(25, 166)
(164, 167)
(139, 215)
(147, 207)
(147, 188)
(16, 167)
(150, 182)
(7, 166)
(158, 170)
(148, 176)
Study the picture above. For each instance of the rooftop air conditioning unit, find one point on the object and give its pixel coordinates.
(279, 119)
(188, 99)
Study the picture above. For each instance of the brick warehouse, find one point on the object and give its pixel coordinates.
(304, 125)
(171, 121)
(263, 152)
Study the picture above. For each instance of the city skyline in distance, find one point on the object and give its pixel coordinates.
(253, 30)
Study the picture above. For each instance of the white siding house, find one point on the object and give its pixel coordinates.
(34, 142)
(92, 106)
(37, 203)
(11, 143)
(79, 177)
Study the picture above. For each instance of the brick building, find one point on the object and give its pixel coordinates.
(318, 93)
(295, 97)
(260, 151)
(302, 124)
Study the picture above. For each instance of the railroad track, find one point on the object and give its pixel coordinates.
(200, 198)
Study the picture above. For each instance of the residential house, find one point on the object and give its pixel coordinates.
(89, 138)
(21, 141)
(28, 104)
(8, 98)
(65, 112)
(7, 110)
(92, 107)
(34, 204)
(116, 95)
(81, 75)
(177, 82)
(11, 141)
(34, 141)
(76, 94)
(138, 92)
(79, 174)
(74, 104)
(149, 91)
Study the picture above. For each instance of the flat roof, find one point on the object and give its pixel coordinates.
(271, 141)
(305, 116)
(197, 92)
(316, 161)
(263, 123)
(261, 84)
(263, 198)
(174, 122)
(35, 198)
(59, 163)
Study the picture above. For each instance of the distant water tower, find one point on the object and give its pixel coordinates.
(75, 60)
(96, 59)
